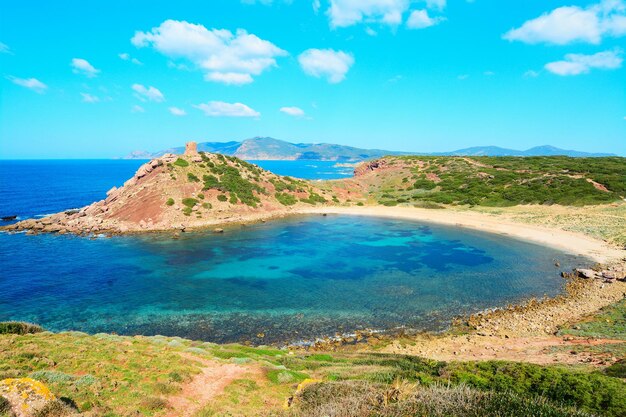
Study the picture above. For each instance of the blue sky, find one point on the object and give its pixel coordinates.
(99, 79)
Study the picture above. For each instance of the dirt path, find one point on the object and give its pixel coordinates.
(208, 384)
(541, 350)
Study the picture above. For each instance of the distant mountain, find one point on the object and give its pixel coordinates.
(545, 150)
(259, 148)
(265, 148)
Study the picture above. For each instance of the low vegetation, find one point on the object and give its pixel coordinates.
(502, 181)
(109, 375)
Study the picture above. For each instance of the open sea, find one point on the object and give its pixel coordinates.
(282, 281)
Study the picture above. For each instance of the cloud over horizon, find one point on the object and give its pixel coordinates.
(576, 64)
(225, 57)
(223, 109)
(569, 24)
(83, 67)
(30, 83)
(328, 63)
(150, 93)
(292, 111)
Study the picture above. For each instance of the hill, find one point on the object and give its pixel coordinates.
(191, 190)
(493, 181)
(266, 148)
(545, 150)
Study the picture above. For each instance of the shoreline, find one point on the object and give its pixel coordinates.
(571, 242)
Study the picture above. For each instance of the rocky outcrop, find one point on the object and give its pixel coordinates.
(367, 167)
(26, 397)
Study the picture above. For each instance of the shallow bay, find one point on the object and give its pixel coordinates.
(289, 280)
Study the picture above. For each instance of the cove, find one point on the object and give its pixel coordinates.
(283, 281)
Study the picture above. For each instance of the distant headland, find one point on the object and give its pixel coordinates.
(267, 148)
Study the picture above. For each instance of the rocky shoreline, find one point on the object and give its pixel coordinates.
(583, 295)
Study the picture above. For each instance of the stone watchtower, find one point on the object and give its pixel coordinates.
(191, 148)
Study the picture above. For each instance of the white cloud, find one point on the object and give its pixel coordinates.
(82, 66)
(30, 83)
(569, 24)
(137, 109)
(489, 73)
(292, 111)
(222, 109)
(349, 12)
(126, 57)
(316, 6)
(224, 56)
(233, 78)
(4, 48)
(326, 63)
(436, 4)
(144, 93)
(576, 64)
(177, 111)
(371, 31)
(344, 13)
(531, 74)
(419, 19)
(89, 98)
(463, 77)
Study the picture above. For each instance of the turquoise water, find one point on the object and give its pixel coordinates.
(294, 279)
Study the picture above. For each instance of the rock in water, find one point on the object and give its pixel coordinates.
(8, 218)
(26, 396)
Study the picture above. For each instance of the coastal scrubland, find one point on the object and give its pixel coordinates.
(110, 375)
(496, 181)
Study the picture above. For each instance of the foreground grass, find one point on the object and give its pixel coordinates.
(108, 375)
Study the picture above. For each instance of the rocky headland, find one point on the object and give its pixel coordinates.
(180, 192)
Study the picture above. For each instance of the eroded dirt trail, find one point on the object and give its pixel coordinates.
(205, 386)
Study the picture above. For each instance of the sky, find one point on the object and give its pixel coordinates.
(87, 79)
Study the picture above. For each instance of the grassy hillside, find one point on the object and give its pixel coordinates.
(497, 181)
(109, 375)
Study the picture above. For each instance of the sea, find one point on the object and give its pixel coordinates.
(287, 281)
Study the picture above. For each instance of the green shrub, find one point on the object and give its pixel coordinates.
(201, 196)
(180, 162)
(154, 403)
(190, 202)
(233, 198)
(313, 199)
(187, 211)
(192, 178)
(222, 197)
(617, 370)
(285, 199)
(18, 327)
(207, 206)
(170, 201)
